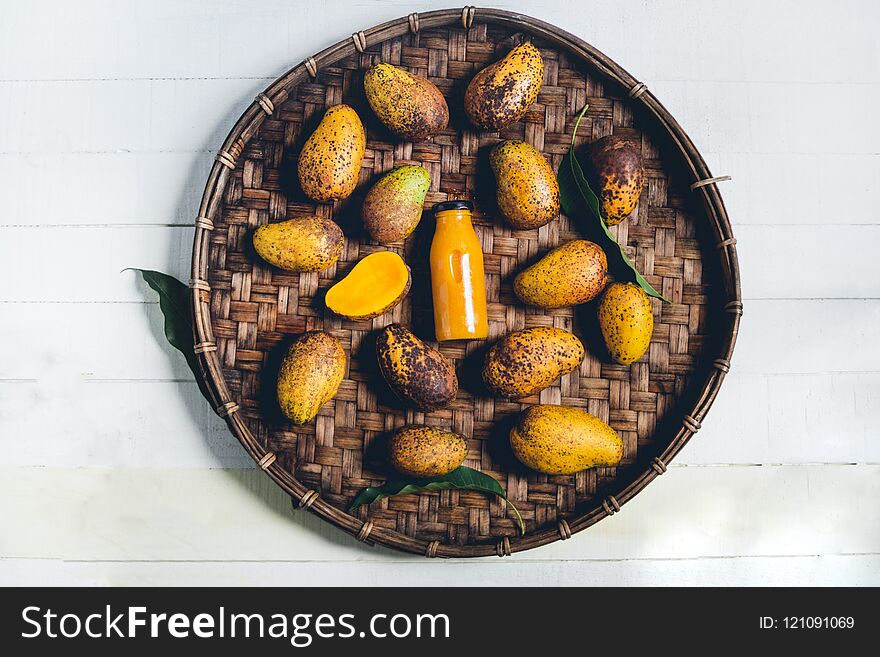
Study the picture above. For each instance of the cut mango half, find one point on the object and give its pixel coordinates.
(375, 285)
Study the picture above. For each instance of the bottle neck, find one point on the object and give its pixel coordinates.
(452, 217)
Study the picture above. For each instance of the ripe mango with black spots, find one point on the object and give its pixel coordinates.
(502, 92)
(558, 440)
(421, 451)
(393, 207)
(410, 106)
(525, 362)
(310, 375)
(528, 193)
(414, 370)
(303, 244)
(620, 174)
(626, 322)
(570, 274)
(330, 160)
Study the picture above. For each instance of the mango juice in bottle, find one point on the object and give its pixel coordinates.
(457, 278)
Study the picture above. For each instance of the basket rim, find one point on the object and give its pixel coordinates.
(704, 184)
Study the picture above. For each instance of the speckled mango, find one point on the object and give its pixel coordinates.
(527, 190)
(620, 175)
(557, 440)
(573, 273)
(375, 285)
(626, 322)
(330, 160)
(525, 362)
(393, 207)
(502, 93)
(410, 106)
(304, 244)
(310, 375)
(420, 451)
(415, 371)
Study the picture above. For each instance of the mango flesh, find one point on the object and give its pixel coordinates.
(393, 207)
(415, 371)
(620, 175)
(557, 440)
(376, 284)
(304, 244)
(410, 106)
(310, 375)
(626, 322)
(502, 93)
(573, 273)
(525, 362)
(330, 160)
(528, 193)
(420, 451)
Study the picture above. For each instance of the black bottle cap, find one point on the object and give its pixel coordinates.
(452, 205)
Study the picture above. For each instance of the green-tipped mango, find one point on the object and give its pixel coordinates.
(528, 194)
(620, 174)
(557, 440)
(573, 273)
(502, 93)
(410, 106)
(393, 206)
(626, 321)
(310, 375)
(304, 244)
(330, 160)
(420, 451)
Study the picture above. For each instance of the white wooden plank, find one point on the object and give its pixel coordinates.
(798, 188)
(187, 38)
(142, 424)
(182, 116)
(762, 419)
(777, 262)
(121, 514)
(165, 188)
(103, 188)
(828, 570)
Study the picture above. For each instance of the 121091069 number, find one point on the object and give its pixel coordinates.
(819, 622)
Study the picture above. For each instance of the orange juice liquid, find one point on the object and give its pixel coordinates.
(457, 277)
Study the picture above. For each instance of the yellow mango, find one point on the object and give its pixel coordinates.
(420, 451)
(303, 244)
(573, 273)
(410, 106)
(502, 93)
(525, 362)
(310, 375)
(626, 321)
(528, 193)
(557, 440)
(376, 284)
(330, 161)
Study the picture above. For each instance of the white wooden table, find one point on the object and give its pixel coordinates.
(113, 470)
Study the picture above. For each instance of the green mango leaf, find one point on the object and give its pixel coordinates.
(574, 192)
(462, 478)
(175, 304)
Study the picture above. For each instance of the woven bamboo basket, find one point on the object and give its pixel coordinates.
(245, 312)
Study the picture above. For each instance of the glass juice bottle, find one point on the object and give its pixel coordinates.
(457, 279)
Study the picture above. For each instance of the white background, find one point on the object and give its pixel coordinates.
(112, 468)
